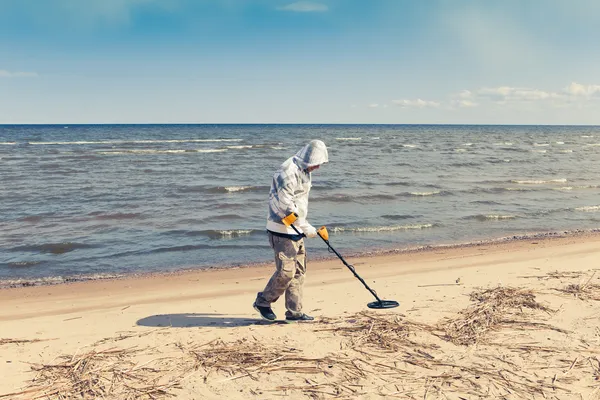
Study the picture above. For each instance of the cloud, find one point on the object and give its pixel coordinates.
(416, 103)
(464, 103)
(505, 94)
(374, 105)
(579, 90)
(573, 94)
(19, 74)
(304, 6)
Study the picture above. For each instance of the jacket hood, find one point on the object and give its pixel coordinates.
(314, 153)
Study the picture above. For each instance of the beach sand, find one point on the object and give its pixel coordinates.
(195, 335)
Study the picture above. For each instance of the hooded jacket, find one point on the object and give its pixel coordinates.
(290, 187)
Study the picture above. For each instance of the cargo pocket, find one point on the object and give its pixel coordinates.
(288, 265)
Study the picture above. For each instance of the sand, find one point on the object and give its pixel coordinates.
(194, 335)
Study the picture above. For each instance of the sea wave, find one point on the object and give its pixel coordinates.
(346, 198)
(588, 208)
(397, 183)
(426, 194)
(7, 143)
(396, 217)
(235, 189)
(348, 138)
(23, 264)
(54, 248)
(369, 229)
(149, 141)
(224, 217)
(215, 233)
(115, 216)
(31, 218)
(490, 217)
(231, 233)
(232, 189)
(152, 151)
(538, 181)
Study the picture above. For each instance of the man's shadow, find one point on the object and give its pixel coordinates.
(198, 320)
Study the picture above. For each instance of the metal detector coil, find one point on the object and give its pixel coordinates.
(381, 304)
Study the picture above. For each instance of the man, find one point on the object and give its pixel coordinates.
(289, 194)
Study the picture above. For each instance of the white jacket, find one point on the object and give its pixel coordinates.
(290, 187)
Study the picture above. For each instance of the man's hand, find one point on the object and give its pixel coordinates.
(310, 231)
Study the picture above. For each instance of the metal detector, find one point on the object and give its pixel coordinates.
(323, 234)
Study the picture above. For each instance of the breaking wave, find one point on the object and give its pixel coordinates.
(538, 181)
(490, 217)
(588, 208)
(368, 229)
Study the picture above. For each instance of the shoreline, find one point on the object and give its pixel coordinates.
(7, 284)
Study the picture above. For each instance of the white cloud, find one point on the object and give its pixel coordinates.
(465, 94)
(577, 89)
(464, 103)
(374, 105)
(304, 6)
(416, 103)
(506, 94)
(19, 74)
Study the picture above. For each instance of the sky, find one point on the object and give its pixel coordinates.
(286, 61)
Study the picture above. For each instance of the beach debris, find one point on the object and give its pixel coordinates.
(20, 341)
(585, 291)
(442, 284)
(363, 355)
(556, 275)
(110, 373)
(493, 308)
(128, 335)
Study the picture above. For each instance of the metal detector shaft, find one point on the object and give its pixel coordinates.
(350, 267)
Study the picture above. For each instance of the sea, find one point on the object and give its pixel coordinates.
(98, 201)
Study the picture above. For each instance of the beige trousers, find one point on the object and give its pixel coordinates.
(290, 268)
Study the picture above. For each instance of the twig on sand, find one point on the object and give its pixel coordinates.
(21, 341)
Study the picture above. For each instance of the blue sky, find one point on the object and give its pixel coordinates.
(322, 61)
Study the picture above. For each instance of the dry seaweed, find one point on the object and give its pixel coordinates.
(490, 311)
(585, 291)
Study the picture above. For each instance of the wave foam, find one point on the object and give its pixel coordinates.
(231, 189)
(538, 181)
(491, 217)
(588, 208)
(425, 193)
(380, 228)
